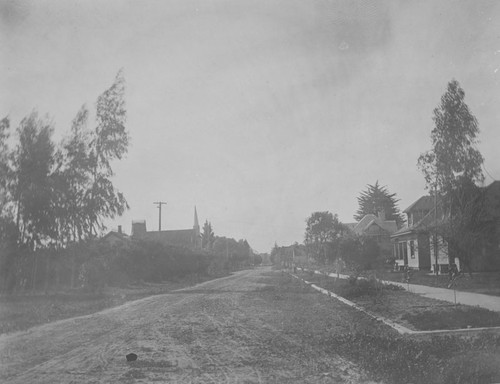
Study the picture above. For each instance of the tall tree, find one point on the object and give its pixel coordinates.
(73, 179)
(451, 169)
(207, 237)
(467, 227)
(33, 161)
(378, 199)
(109, 142)
(322, 229)
(4, 161)
(454, 154)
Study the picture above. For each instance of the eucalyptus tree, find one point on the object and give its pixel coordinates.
(4, 162)
(452, 169)
(108, 141)
(32, 185)
(454, 154)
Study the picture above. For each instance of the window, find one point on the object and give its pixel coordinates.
(412, 249)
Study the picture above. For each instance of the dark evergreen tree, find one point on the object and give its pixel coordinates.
(377, 199)
(207, 236)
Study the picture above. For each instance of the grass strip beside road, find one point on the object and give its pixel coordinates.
(410, 310)
(389, 357)
(21, 312)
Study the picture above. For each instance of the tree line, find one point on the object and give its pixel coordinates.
(54, 196)
(58, 193)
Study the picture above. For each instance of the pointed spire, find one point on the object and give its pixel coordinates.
(196, 224)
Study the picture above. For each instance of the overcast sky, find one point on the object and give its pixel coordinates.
(257, 112)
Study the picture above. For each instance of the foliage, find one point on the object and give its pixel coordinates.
(358, 252)
(58, 194)
(454, 154)
(74, 179)
(452, 167)
(32, 184)
(323, 229)
(4, 162)
(109, 141)
(8, 254)
(207, 236)
(464, 225)
(96, 264)
(377, 199)
(238, 254)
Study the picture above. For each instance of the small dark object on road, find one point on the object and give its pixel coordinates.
(131, 357)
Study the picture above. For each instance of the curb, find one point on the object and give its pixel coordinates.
(399, 328)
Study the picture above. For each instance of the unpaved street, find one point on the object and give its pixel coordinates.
(238, 329)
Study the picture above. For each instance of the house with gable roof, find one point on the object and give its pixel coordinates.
(376, 228)
(411, 243)
(116, 237)
(414, 244)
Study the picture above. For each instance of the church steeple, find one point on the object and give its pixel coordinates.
(196, 224)
(196, 230)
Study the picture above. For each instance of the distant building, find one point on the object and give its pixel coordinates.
(115, 237)
(187, 238)
(376, 228)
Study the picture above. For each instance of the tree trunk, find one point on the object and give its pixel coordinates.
(47, 271)
(35, 267)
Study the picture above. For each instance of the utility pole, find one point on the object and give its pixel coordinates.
(436, 267)
(159, 203)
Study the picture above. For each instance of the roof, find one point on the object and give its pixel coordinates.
(180, 237)
(370, 219)
(350, 225)
(425, 203)
(115, 234)
(427, 221)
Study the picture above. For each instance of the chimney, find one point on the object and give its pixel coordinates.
(381, 215)
(120, 229)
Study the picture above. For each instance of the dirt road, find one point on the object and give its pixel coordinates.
(238, 329)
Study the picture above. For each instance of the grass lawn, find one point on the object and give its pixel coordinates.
(391, 358)
(480, 282)
(410, 310)
(20, 312)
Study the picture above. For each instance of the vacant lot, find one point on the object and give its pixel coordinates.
(20, 312)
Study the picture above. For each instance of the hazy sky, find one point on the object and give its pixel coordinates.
(257, 112)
